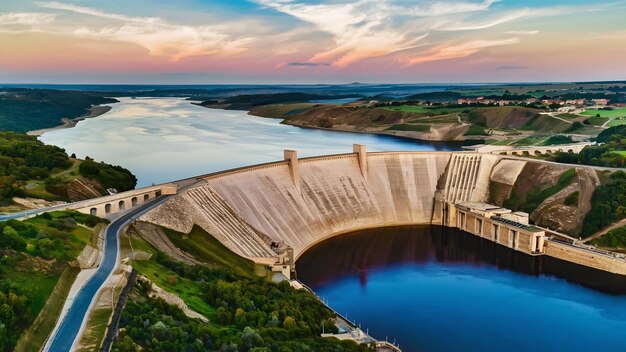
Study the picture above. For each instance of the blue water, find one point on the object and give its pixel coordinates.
(165, 139)
(436, 290)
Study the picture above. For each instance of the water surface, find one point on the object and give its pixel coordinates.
(165, 139)
(434, 289)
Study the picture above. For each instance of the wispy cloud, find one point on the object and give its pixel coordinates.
(157, 35)
(25, 18)
(366, 29)
(55, 5)
(529, 32)
(455, 51)
(360, 29)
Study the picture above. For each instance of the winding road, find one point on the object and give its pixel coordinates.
(65, 335)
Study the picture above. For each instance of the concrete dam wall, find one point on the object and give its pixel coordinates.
(249, 208)
(264, 211)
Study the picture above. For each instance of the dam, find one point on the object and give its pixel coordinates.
(273, 212)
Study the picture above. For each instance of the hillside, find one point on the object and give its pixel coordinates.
(23, 109)
(31, 169)
(37, 270)
(498, 124)
(229, 305)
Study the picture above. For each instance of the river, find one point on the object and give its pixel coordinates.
(165, 139)
(435, 289)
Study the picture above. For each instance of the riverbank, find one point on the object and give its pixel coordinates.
(94, 111)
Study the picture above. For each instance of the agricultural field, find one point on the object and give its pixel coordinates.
(616, 112)
(615, 117)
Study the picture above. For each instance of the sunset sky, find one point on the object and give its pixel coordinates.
(303, 41)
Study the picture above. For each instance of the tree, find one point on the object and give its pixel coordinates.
(289, 323)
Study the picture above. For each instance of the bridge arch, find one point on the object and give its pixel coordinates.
(133, 201)
(121, 205)
(93, 211)
(107, 208)
(146, 197)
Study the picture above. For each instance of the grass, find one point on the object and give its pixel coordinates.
(409, 127)
(36, 335)
(206, 248)
(476, 130)
(37, 188)
(531, 140)
(189, 291)
(597, 121)
(37, 284)
(449, 118)
(617, 122)
(616, 112)
(620, 152)
(97, 324)
(536, 196)
(11, 208)
(568, 116)
(75, 240)
(546, 124)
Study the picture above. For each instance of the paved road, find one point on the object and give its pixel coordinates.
(70, 327)
(32, 212)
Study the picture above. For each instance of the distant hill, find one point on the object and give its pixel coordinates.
(24, 109)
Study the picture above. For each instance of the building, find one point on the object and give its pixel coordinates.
(499, 225)
(600, 102)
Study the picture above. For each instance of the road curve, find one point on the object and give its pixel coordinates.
(68, 329)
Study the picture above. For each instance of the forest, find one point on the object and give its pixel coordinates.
(246, 312)
(608, 204)
(25, 109)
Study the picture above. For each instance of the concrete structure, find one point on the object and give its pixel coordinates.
(520, 150)
(273, 212)
(104, 206)
(499, 225)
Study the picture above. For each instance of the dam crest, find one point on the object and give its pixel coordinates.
(271, 213)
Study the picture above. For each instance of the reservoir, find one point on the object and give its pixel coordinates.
(427, 288)
(165, 139)
(436, 289)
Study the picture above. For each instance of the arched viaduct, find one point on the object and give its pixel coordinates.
(108, 205)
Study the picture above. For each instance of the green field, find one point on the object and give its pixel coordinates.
(616, 112)
(617, 121)
(597, 121)
(620, 152)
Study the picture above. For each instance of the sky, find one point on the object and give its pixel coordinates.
(311, 41)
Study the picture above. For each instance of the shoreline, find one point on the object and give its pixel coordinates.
(94, 111)
(284, 121)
